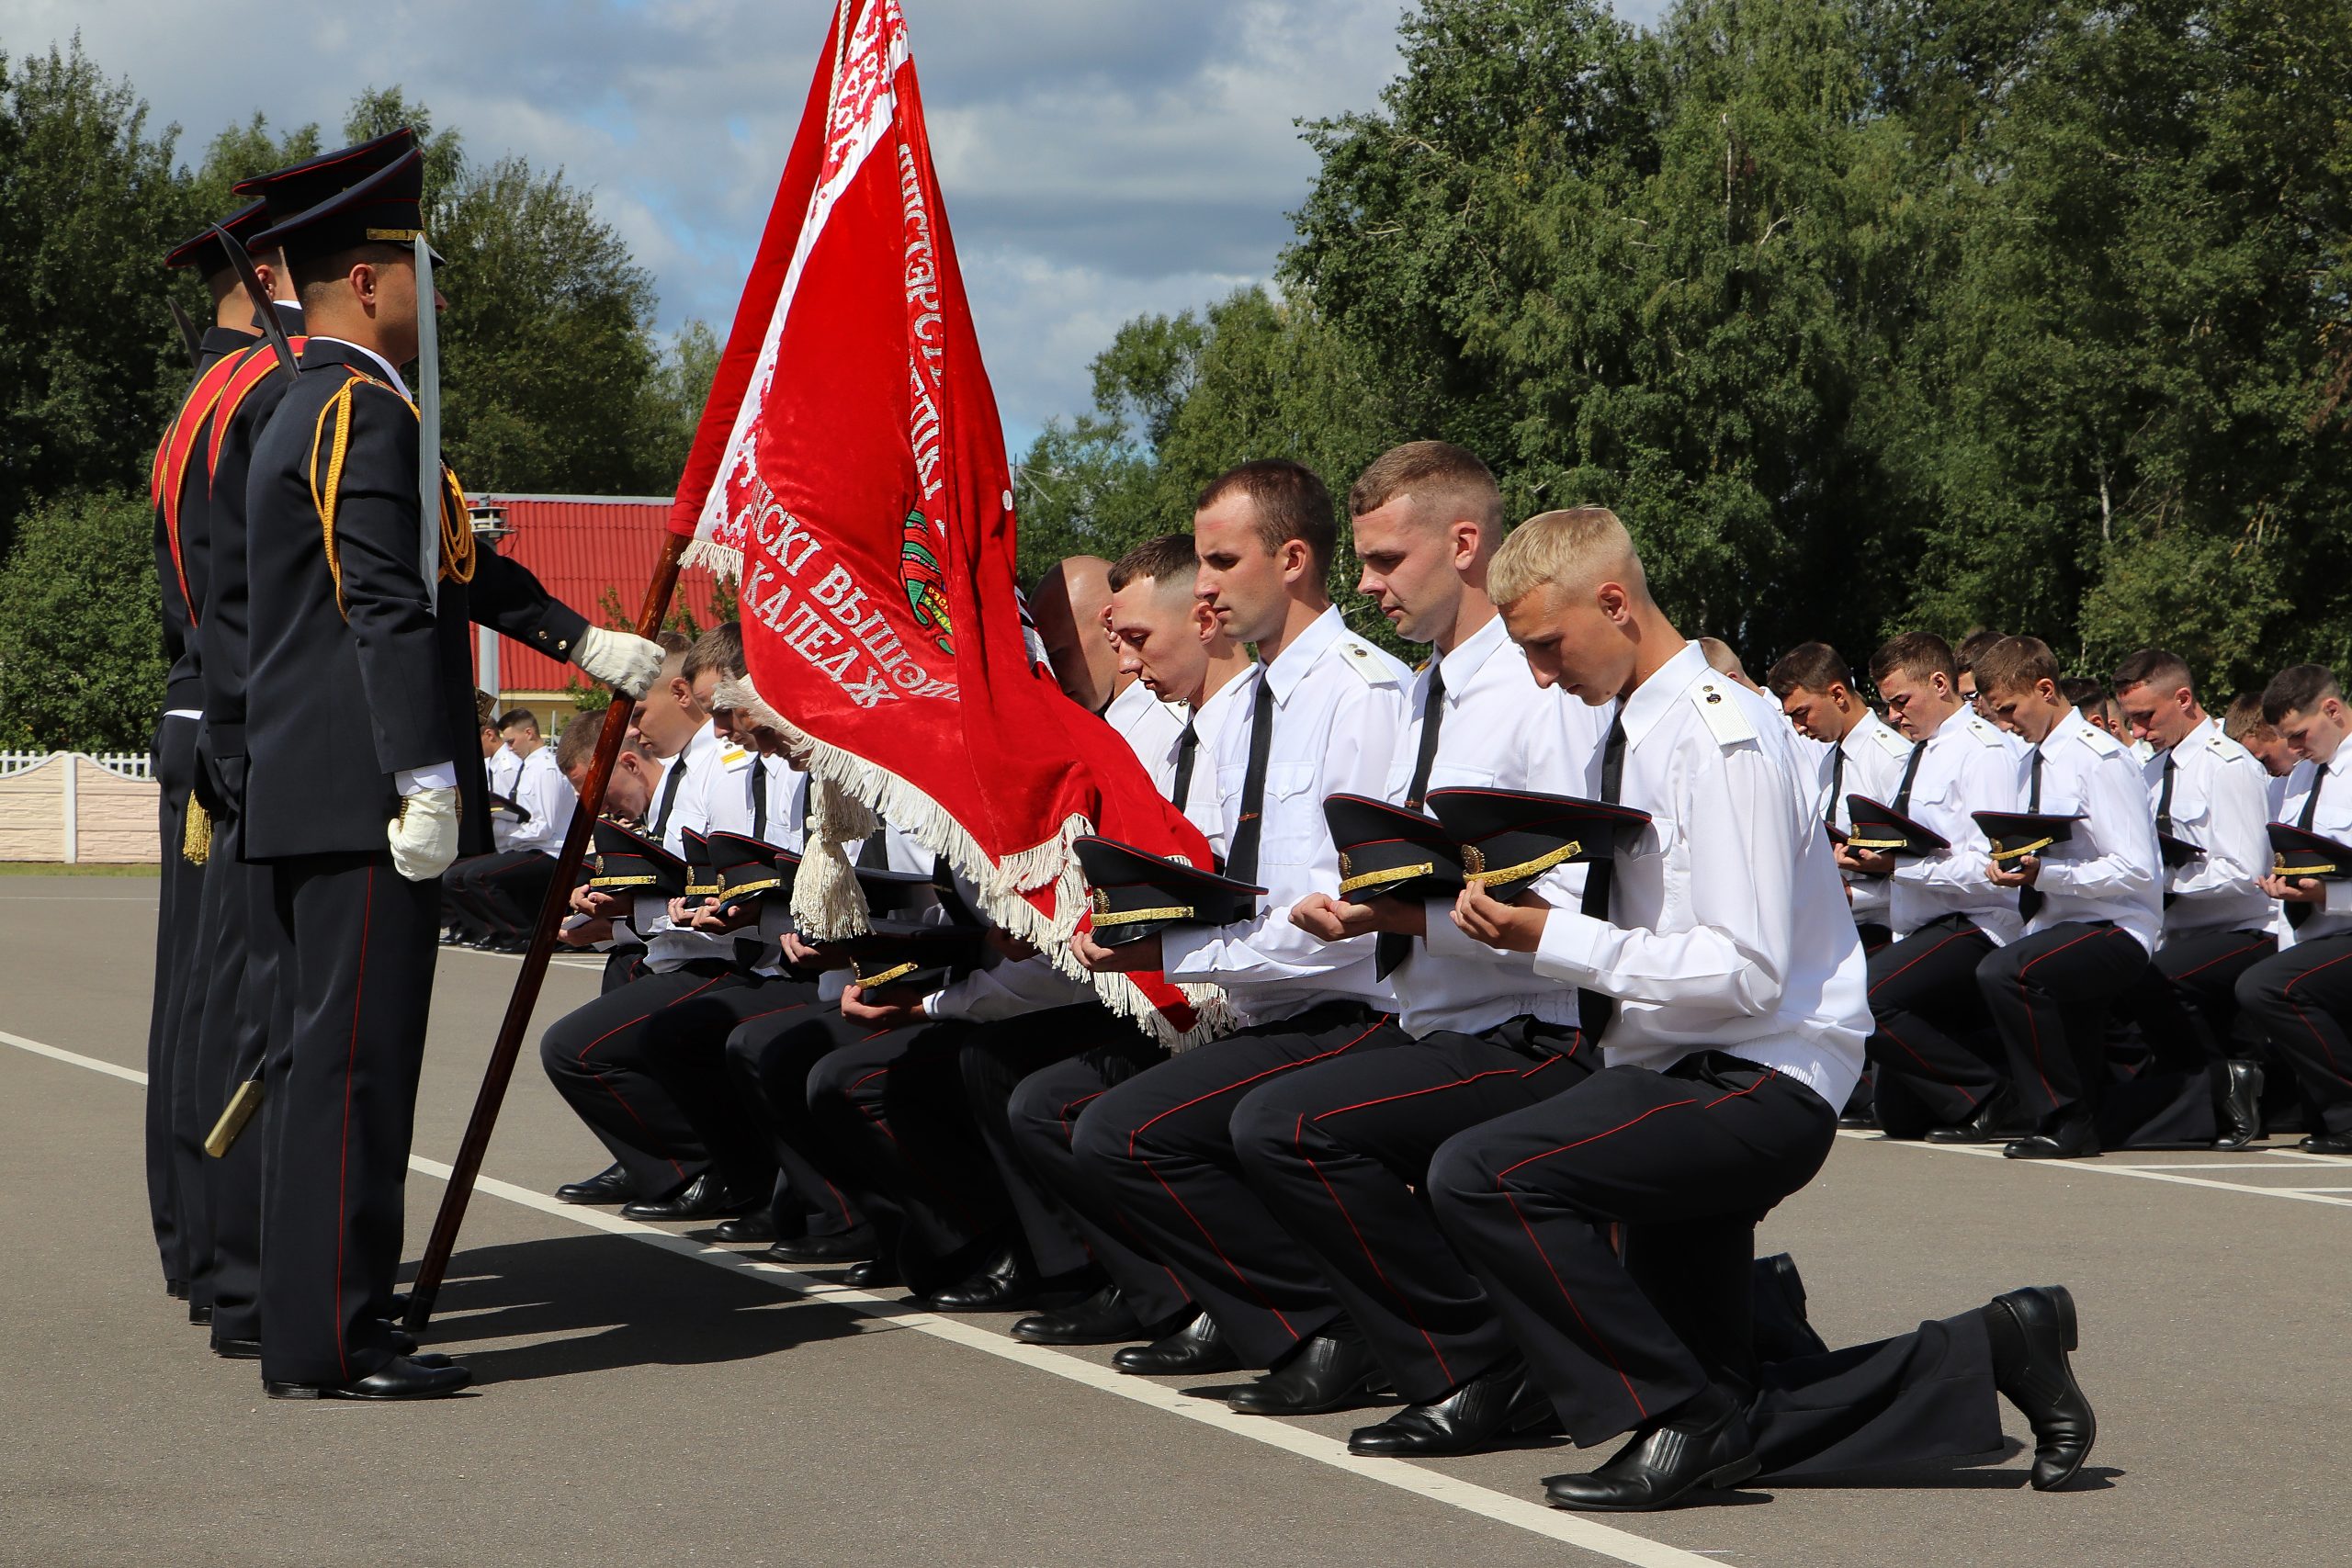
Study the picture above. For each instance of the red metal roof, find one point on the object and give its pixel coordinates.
(596, 554)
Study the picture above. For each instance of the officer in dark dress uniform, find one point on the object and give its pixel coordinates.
(360, 706)
(240, 963)
(181, 493)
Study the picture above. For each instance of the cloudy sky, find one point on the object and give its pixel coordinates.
(1101, 158)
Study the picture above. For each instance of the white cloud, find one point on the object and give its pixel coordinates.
(1101, 158)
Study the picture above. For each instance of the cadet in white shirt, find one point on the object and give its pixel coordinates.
(1172, 644)
(2092, 904)
(1862, 754)
(1736, 1032)
(1338, 1149)
(596, 1056)
(502, 892)
(1324, 718)
(2303, 997)
(1935, 1067)
(2210, 793)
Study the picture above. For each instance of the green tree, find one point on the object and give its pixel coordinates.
(81, 665)
(88, 355)
(674, 397)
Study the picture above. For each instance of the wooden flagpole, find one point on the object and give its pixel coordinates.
(519, 1007)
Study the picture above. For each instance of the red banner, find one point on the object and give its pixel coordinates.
(850, 470)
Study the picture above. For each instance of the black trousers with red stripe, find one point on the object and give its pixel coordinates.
(1339, 1151)
(770, 1055)
(1041, 1119)
(243, 974)
(1687, 1162)
(997, 1059)
(893, 1104)
(597, 1056)
(172, 764)
(2187, 1004)
(2050, 994)
(1925, 1005)
(499, 895)
(1915, 1397)
(1162, 1146)
(360, 942)
(2301, 999)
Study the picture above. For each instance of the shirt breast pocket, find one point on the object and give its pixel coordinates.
(1294, 832)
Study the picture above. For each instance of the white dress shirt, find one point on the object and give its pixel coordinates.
(1145, 722)
(541, 789)
(666, 945)
(2332, 820)
(2221, 803)
(1729, 929)
(1500, 730)
(1969, 765)
(1875, 757)
(2110, 869)
(1338, 705)
(501, 772)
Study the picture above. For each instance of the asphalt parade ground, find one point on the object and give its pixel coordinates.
(642, 1398)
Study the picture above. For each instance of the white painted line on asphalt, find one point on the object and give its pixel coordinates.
(129, 1075)
(1602, 1540)
(2099, 1167)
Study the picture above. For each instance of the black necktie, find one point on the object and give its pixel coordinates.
(875, 854)
(1390, 948)
(2030, 898)
(2164, 796)
(1241, 863)
(1594, 1010)
(1902, 801)
(2310, 801)
(759, 786)
(669, 795)
(1837, 784)
(2298, 913)
(1188, 745)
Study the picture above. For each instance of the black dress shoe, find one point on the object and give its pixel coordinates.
(2241, 1105)
(753, 1228)
(199, 1311)
(1981, 1128)
(1864, 1119)
(176, 1289)
(1329, 1371)
(873, 1274)
(848, 1246)
(1487, 1407)
(1190, 1351)
(404, 1377)
(1003, 1284)
(1709, 1447)
(1103, 1318)
(703, 1198)
(2071, 1140)
(2328, 1144)
(1782, 1331)
(610, 1185)
(2031, 1331)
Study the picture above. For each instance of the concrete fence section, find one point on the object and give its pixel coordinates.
(72, 808)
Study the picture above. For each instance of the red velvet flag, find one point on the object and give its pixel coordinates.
(850, 469)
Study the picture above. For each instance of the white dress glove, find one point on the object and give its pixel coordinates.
(424, 835)
(622, 660)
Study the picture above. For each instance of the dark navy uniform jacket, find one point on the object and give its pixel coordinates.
(354, 677)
